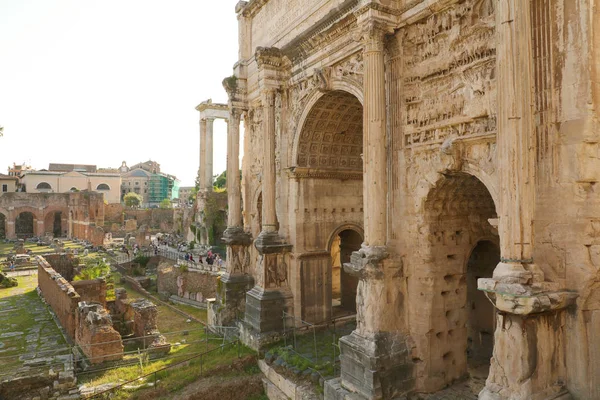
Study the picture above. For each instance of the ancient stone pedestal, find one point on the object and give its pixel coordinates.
(529, 342)
(266, 302)
(375, 361)
(230, 303)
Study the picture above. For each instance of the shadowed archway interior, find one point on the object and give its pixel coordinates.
(462, 246)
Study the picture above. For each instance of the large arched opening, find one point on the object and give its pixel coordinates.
(25, 225)
(327, 167)
(462, 246)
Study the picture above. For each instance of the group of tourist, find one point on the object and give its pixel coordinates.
(211, 258)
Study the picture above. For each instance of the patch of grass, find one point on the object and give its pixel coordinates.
(26, 325)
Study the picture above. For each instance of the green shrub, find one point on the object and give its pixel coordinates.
(142, 260)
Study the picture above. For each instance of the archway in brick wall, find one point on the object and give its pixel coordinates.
(463, 246)
(329, 195)
(25, 225)
(53, 223)
(2, 226)
(343, 285)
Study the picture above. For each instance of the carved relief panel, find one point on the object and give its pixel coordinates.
(449, 68)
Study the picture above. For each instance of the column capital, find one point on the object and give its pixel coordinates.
(371, 33)
(267, 95)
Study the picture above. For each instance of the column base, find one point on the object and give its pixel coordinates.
(263, 320)
(230, 303)
(235, 235)
(271, 242)
(373, 368)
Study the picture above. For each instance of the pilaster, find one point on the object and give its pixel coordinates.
(531, 311)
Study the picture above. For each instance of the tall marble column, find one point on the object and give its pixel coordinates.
(209, 154)
(234, 195)
(530, 322)
(271, 295)
(236, 281)
(375, 359)
(203, 161)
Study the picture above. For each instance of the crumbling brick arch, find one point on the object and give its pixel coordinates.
(458, 243)
(51, 223)
(23, 226)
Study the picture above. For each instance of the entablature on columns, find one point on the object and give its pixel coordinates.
(210, 110)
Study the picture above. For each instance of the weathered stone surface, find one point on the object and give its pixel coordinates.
(95, 334)
(459, 139)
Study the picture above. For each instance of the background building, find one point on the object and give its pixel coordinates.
(73, 181)
(8, 184)
(148, 181)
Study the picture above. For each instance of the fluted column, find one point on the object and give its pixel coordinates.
(202, 167)
(234, 198)
(269, 215)
(374, 137)
(209, 154)
(516, 142)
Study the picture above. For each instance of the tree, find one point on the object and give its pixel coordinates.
(221, 180)
(166, 203)
(132, 200)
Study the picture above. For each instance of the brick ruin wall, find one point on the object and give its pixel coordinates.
(192, 285)
(91, 291)
(95, 334)
(63, 263)
(59, 294)
(85, 324)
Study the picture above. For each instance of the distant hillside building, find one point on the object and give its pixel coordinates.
(146, 180)
(72, 181)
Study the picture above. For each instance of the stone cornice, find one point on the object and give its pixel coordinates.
(329, 28)
(268, 57)
(209, 105)
(313, 173)
(252, 7)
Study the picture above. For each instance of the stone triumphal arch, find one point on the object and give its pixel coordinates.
(459, 139)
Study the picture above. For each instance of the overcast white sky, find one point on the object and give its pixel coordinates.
(105, 81)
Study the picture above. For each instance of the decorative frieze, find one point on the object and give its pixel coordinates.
(449, 70)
